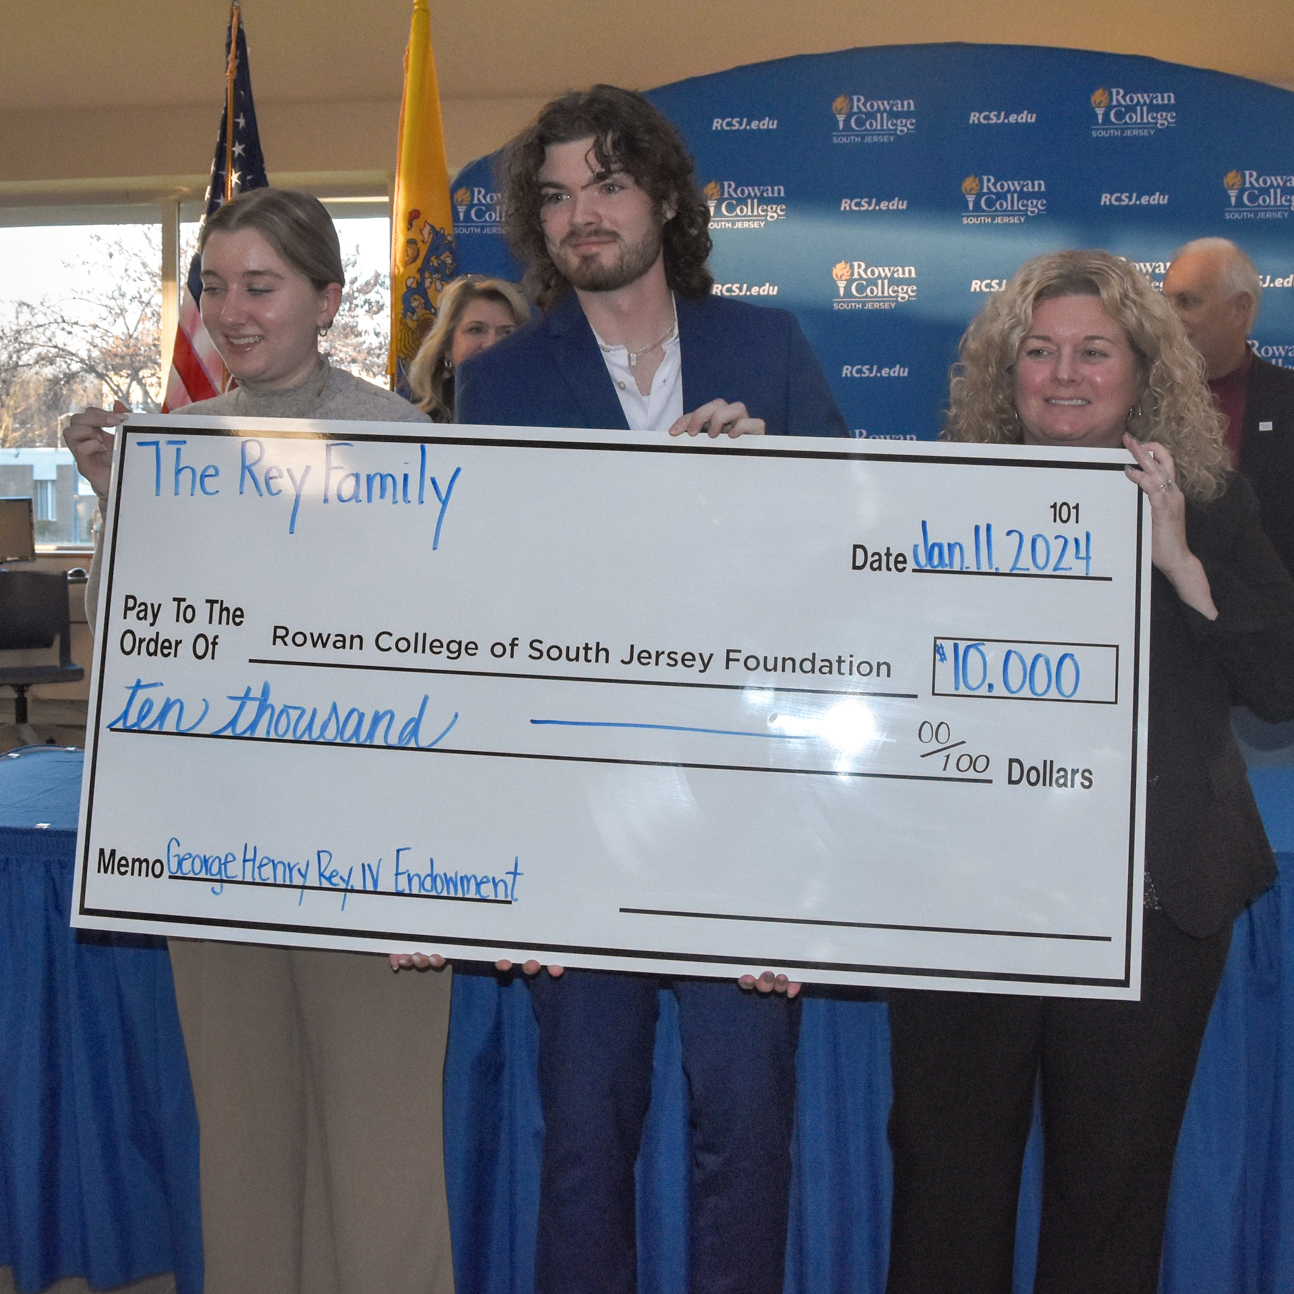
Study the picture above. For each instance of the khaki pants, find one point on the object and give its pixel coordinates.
(318, 1080)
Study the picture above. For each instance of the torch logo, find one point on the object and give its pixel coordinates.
(840, 107)
(970, 189)
(842, 272)
(712, 193)
(462, 197)
(1100, 101)
(1232, 181)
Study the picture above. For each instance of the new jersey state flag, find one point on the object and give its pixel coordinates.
(422, 224)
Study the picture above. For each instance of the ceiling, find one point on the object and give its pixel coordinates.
(89, 68)
(87, 53)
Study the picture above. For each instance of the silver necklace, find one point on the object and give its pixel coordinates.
(635, 355)
(646, 350)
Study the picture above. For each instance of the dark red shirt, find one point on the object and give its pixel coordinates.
(1231, 393)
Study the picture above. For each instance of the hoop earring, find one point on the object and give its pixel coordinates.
(1134, 412)
(323, 329)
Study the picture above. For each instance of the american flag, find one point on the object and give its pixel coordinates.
(197, 372)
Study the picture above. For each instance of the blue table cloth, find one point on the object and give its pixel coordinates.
(1231, 1216)
(99, 1140)
(98, 1132)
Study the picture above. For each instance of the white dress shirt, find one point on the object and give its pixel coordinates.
(662, 406)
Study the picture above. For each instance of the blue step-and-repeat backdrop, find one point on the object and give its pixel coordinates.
(880, 194)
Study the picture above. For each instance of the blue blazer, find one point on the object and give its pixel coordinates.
(551, 374)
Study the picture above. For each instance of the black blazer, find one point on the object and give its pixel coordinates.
(1206, 850)
(1267, 452)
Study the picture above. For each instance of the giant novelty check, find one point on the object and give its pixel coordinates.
(865, 713)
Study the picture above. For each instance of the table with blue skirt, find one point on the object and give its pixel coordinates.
(98, 1138)
(98, 1132)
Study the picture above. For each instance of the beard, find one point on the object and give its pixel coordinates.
(607, 273)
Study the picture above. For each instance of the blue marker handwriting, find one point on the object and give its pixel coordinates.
(461, 885)
(1055, 554)
(256, 715)
(319, 871)
(337, 479)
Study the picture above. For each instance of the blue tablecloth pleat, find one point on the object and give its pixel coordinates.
(838, 1237)
(98, 1131)
(493, 1132)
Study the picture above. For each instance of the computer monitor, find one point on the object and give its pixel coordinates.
(17, 530)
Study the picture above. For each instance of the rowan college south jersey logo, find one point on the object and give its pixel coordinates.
(476, 210)
(1121, 112)
(744, 206)
(860, 286)
(1251, 195)
(994, 201)
(860, 120)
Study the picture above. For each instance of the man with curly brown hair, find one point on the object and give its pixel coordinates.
(603, 210)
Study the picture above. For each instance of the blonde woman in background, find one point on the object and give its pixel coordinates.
(475, 312)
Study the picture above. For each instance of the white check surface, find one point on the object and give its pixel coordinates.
(869, 714)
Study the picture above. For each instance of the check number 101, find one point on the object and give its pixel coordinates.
(1004, 670)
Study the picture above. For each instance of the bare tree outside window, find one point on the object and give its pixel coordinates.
(97, 343)
(358, 338)
(32, 400)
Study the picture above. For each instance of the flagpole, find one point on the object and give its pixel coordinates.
(231, 71)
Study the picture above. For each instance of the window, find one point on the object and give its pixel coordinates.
(46, 500)
(89, 302)
(80, 321)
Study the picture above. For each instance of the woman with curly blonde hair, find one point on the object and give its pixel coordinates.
(1175, 407)
(475, 312)
(1079, 352)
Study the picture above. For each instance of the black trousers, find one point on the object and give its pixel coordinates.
(1115, 1078)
